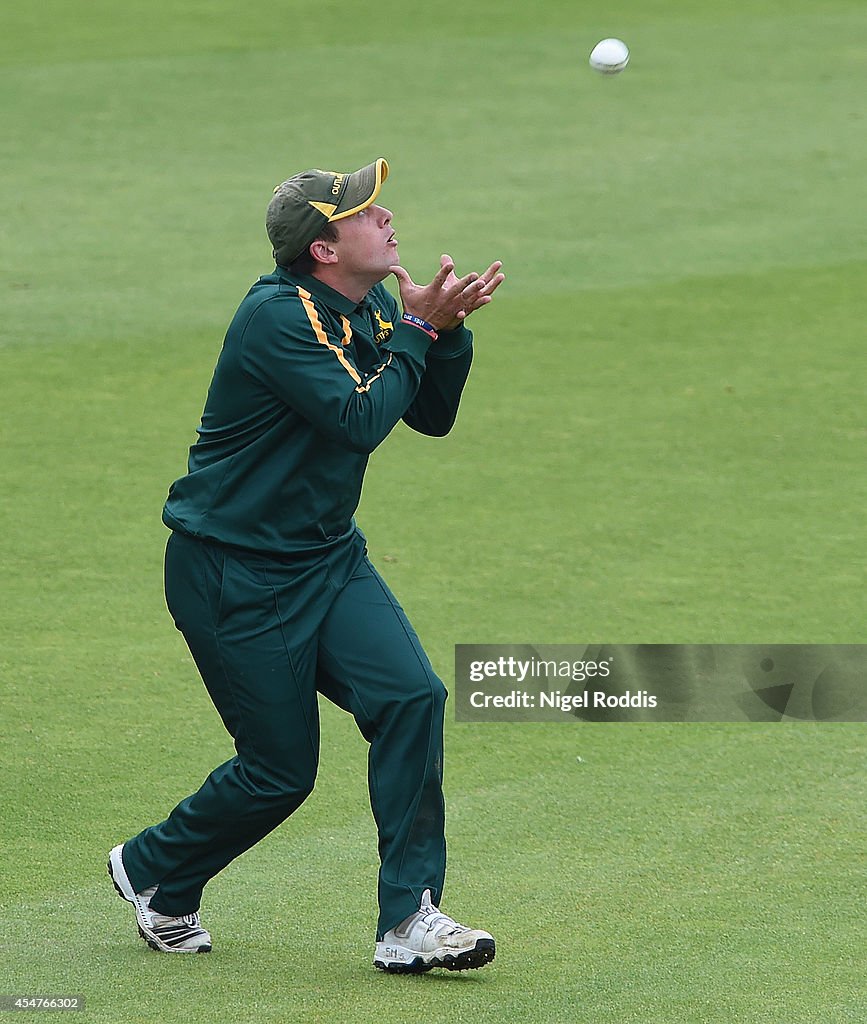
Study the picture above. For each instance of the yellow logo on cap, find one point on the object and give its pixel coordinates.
(326, 209)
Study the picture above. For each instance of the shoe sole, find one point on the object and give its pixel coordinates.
(123, 887)
(482, 953)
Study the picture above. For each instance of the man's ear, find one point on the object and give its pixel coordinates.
(322, 252)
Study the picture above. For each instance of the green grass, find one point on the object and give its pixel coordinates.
(662, 441)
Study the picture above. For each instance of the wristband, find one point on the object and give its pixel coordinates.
(423, 325)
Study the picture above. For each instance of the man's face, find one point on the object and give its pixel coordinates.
(367, 247)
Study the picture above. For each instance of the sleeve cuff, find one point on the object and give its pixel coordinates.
(452, 344)
(410, 341)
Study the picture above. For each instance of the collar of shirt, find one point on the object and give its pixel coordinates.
(334, 299)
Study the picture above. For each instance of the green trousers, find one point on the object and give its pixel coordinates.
(266, 636)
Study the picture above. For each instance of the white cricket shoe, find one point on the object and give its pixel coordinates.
(429, 939)
(161, 932)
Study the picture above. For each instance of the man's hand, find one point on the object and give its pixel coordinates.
(487, 284)
(448, 300)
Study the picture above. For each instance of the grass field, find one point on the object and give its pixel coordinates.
(662, 441)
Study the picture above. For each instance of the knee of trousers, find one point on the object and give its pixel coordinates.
(426, 696)
(280, 785)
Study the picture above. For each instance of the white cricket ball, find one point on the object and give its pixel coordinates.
(609, 57)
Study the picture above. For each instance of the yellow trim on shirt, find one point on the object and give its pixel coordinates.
(321, 336)
(377, 373)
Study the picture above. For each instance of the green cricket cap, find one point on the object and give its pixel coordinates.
(302, 205)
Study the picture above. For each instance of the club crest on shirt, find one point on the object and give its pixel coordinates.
(386, 327)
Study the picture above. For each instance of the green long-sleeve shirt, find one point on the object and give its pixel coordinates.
(307, 384)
